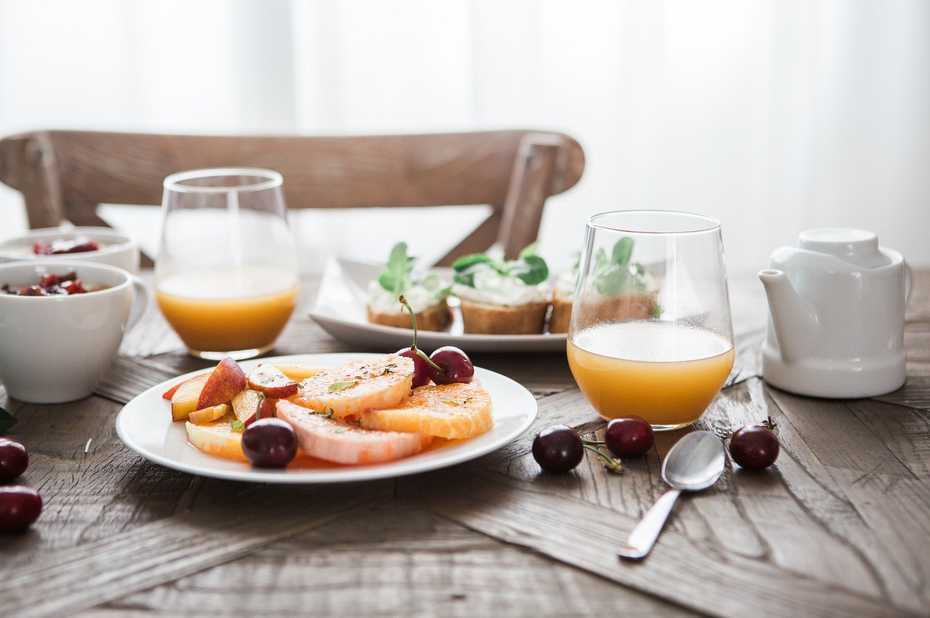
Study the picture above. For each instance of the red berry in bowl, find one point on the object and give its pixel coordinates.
(558, 449)
(19, 507)
(629, 437)
(454, 365)
(13, 459)
(754, 447)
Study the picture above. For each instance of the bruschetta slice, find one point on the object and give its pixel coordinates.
(325, 438)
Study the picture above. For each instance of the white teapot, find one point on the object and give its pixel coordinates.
(836, 309)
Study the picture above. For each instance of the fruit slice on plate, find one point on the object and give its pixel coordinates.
(325, 438)
(350, 389)
(225, 381)
(217, 439)
(451, 411)
(185, 398)
(298, 372)
(246, 405)
(208, 415)
(271, 381)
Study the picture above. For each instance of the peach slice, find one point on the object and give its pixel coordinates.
(226, 380)
(298, 372)
(208, 415)
(217, 439)
(272, 382)
(185, 398)
(246, 405)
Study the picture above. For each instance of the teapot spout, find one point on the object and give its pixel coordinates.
(794, 320)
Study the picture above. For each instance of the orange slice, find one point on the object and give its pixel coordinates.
(350, 389)
(451, 411)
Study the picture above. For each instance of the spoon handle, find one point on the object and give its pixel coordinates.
(644, 535)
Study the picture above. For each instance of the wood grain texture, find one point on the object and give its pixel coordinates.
(391, 559)
(167, 550)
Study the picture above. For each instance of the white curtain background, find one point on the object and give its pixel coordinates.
(772, 115)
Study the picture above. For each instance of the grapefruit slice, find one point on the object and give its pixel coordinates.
(451, 411)
(331, 440)
(350, 389)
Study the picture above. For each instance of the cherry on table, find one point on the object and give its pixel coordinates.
(754, 447)
(13, 459)
(20, 506)
(558, 449)
(629, 437)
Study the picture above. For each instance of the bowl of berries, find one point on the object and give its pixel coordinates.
(61, 324)
(89, 244)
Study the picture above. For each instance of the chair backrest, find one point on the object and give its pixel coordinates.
(65, 175)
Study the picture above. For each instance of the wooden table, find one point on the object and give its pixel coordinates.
(841, 526)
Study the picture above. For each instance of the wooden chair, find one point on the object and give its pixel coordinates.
(65, 175)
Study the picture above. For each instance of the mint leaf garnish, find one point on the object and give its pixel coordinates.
(531, 270)
(336, 387)
(237, 426)
(623, 249)
(396, 275)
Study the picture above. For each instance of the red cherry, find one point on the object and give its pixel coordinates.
(629, 437)
(754, 447)
(455, 365)
(19, 507)
(13, 459)
(422, 372)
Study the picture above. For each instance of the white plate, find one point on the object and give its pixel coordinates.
(340, 311)
(144, 425)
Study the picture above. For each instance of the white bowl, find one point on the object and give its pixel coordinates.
(116, 249)
(57, 348)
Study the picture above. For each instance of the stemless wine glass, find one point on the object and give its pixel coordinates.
(650, 334)
(226, 276)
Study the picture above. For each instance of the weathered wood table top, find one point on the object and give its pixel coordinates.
(840, 526)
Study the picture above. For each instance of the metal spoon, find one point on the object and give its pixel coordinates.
(694, 463)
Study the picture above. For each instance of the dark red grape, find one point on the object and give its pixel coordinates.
(422, 372)
(558, 449)
(629, 437)
(754, 447)
(13, 459)
(19, 507)
(269, 443)
(454, 364)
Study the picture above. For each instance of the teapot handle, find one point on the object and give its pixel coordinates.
(908, 281)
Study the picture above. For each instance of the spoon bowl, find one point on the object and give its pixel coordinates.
(695, 462)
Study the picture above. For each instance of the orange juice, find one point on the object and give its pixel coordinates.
(218, 311)
(661, 371)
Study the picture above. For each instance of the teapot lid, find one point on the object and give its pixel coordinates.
(859, 247)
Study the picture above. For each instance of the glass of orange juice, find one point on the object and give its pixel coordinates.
(650, 333)
(226, 277)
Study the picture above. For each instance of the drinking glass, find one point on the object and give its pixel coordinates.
(226, 276)
(650, 334)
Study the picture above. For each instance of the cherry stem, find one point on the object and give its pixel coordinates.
(613, 465)
(593, 442)
(416, 350)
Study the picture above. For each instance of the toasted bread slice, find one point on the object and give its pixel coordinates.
(343, 443)
(483, 319)
(452, 411)
(436, 317)
(350, 389)
(561, 317)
